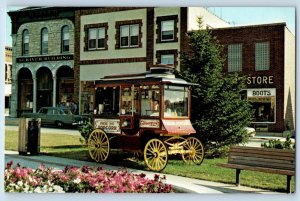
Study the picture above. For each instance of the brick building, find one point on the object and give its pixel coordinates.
(43, 50)
(265, 54)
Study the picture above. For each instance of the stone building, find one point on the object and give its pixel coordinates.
(43, 51)
(8, 69)
(265, 54)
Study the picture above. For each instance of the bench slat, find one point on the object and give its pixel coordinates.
(260, 169)
(263, 155)
(262, 162)
(267, 151)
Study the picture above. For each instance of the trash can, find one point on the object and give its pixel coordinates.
(29, 136)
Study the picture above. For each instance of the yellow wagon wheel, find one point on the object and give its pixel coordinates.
(155, 155)
(98, 144)
(193, 151)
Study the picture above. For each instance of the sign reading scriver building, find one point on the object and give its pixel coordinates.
(44, 58)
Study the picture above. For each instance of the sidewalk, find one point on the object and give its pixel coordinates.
(181, 184)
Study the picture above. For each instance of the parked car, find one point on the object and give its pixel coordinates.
(58, 116)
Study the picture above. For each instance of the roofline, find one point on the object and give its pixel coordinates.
(253, 26)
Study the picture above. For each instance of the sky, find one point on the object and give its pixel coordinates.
(234, 15)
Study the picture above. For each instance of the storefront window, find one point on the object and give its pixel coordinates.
(176, 101)
(263, 102)
(150, 101)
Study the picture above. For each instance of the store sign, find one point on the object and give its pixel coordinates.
(261, 92)
(149, 123)
(260, 80)
(108, 125)
(44, 58)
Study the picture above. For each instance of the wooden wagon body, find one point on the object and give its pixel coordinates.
(147, 112)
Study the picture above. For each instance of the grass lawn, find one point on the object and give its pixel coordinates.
(70, 147)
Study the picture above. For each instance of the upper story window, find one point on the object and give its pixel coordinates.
(262, 56)
(44, 41)
(65, 38)
(96, 36)
(128, 34)
(167, 59)
(167, 29)
(25, 42)
(235, 57)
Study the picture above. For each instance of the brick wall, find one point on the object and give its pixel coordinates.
(248, 36)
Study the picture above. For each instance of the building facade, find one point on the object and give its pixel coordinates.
(265, 54)
(43, 58)
(124, 40)
(8, 69)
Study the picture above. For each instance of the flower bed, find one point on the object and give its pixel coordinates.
(85, 179)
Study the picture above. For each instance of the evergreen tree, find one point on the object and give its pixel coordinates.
(218, 113)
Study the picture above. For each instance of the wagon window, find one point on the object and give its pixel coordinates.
(126, 101)
(150, 98)
(176, 101)
(107, 100)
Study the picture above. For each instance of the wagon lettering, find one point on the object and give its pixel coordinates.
(108, 125)
(144, 123)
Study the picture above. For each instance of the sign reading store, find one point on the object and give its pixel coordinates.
(260, 79)
(45, 58)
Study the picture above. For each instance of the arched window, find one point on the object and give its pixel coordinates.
(44, 41)
(25, 45)
(65, 39)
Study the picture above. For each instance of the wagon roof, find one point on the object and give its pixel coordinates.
(156, 75)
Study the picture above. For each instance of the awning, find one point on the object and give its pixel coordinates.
(178, 126)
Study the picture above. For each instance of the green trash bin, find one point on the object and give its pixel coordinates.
(29, 136)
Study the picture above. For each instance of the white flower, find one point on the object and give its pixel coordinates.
(58, 189)
(77, 180)
(38, 190)
(20, 183)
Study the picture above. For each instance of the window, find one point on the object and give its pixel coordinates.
(25, 46)
(65, 37)
(175, 101)
(150, 98)
(167, 30)
(235, 57)
(263, 102)
(96, 36)
(129, 35)
(167, 59)
(262, 56)
(44, 41)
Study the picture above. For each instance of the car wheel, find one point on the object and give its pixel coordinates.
(59, 124)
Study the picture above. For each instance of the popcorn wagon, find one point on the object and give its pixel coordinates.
(147, 113)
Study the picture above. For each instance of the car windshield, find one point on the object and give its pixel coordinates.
(176, 101)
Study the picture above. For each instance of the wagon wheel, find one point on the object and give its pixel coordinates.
(155, 155)
(98, 145)
(193, 151)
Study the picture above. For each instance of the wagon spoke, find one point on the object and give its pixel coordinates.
(195, 151)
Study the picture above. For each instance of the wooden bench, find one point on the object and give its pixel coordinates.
(275, 161)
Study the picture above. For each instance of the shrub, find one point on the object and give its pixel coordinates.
(86, 129)
(278, 144)
(83, 180)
